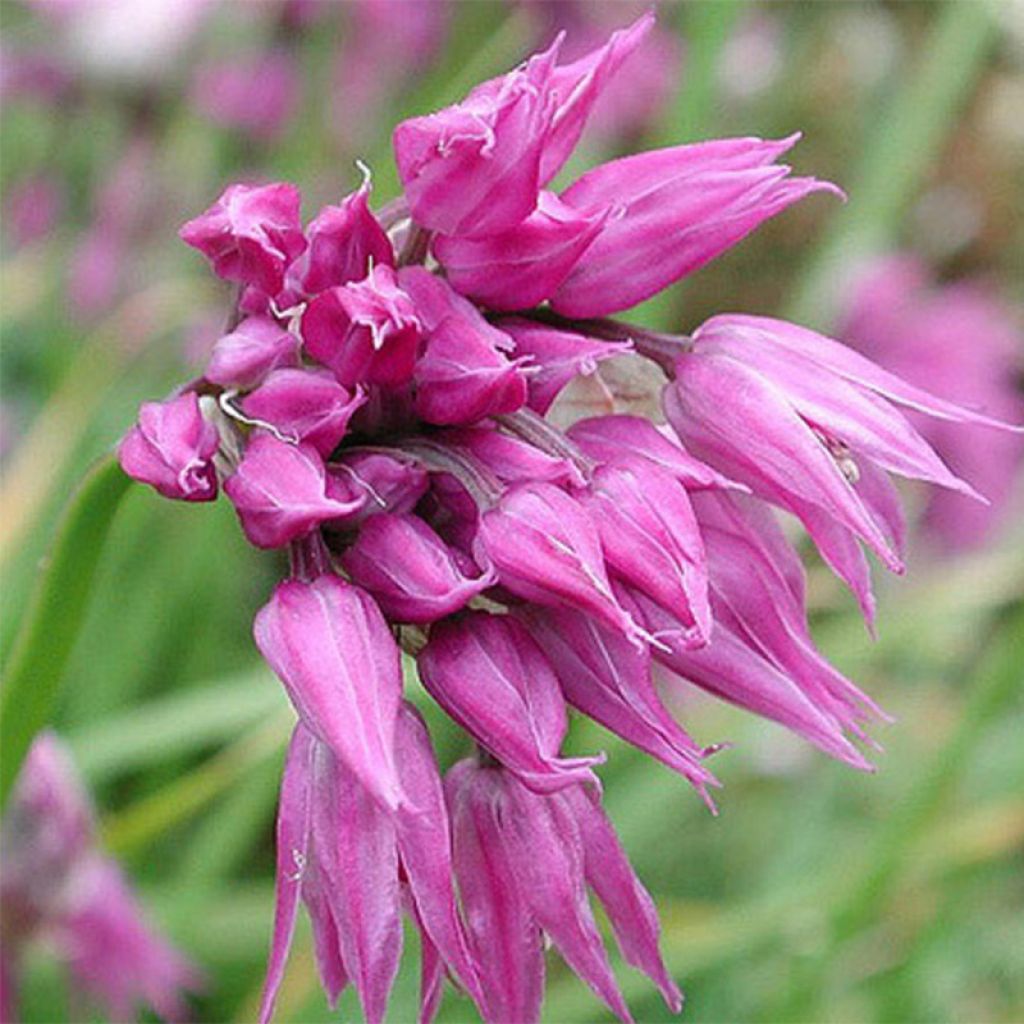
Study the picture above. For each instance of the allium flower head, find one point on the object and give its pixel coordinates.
(382, 413)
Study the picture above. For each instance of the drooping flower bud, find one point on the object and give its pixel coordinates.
(280, 492)
(242, 358)
(410, 571)
(171, 448)
(487, 673)
(251, 234)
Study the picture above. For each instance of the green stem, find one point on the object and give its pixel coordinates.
(898, 156)
(54, 615)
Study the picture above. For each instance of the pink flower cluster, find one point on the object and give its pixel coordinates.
(59, 888)
(378, 408)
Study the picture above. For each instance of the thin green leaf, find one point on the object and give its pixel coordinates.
(54, 616)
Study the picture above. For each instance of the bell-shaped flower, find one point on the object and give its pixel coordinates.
(413, 575)
(523, 862)
(650, 536)
(546, 549)
(474, 168)
(676, 209)
(609, 680)
(620, 436)
(304, 405)
(251, 234)
(521, 266)
(487, 673)
(557, 356)
(344, 856)
(331, 647)
(462, 378)
(280, 492)
(242, 358)
(366, 331)
(171, 448)
(812, 427)
(345, 243)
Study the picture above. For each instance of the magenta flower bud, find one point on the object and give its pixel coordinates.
(504, 935)
(556, 357)
(410, 571)
(545, 548)
(627, 903)
(366, 331)
(622, 437)
(244, 357)
(341, 854)
(677, 208)
(387, 484)
(251, 234)
(808, 425)
(171, 448)
(512, 460)
(461, 377)
(305, 405)
(436, 301)
(59, 890)
(522, 863)
(487, 673)
(521, 266)
(330, 646)
(577, 87)
(474, 168)
(650, 537)
(609, 680)
(279, 491)
(345, 243)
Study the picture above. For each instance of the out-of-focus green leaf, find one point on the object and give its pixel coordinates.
(54, 616)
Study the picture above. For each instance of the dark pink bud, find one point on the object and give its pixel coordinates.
(279, 491)
(304, 405)
(345, 243)
(366, 332)
(171, 448)
(256, 346)
(411, 572)
(487, 673)
(461, 377)
(330, 646)
(251, 234)
(545, 548)
(557, 357)
(524, 265)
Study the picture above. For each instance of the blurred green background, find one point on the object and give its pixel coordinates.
(818, 894)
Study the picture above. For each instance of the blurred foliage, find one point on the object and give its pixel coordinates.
(818, 894)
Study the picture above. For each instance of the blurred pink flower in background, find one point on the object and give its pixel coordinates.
(59, 888)
(32, 209)
(256, 94)
(962, 342)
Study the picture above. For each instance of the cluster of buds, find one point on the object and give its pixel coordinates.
(59, 889)
(379, 408)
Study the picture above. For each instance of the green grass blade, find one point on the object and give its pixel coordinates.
(54, 615)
